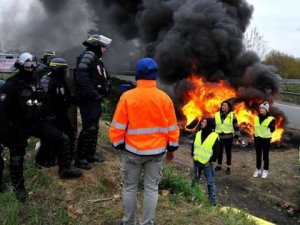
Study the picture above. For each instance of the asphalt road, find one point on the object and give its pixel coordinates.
(292, 113)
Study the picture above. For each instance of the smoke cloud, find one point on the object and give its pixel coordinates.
(184, 36)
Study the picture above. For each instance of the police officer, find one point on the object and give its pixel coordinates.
(22, 103)
(93, 84)
(43, 64)
(59, 100)
(1, 150)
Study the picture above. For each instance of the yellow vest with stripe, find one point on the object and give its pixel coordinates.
(262, 130)
(226, 126)
(203, 151)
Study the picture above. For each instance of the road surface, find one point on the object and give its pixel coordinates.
(292, 113)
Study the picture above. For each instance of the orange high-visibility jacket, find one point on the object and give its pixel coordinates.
(145, 120)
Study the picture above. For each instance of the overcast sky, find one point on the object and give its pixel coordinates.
(279, 23)
(277, 20)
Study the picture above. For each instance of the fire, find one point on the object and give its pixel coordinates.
(205, 100)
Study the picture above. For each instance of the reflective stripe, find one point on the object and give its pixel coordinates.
(202, 157)
(204, 151)
(116, 143)
(173, 143)
(262, 130)
(201, 148)
(226, 126)
(154, 151)
(173, 127)
(148, 130)
(152, 130)
(120, 126)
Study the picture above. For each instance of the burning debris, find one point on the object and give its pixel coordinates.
(197, 44)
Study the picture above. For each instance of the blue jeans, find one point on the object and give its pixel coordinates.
(210, 179)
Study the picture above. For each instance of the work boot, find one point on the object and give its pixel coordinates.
(82, 164)
(217, 168)
(21, 195)
(70, 173)
(228, 171)
(2, 187)
(95, 158)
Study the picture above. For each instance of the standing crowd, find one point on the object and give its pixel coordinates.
(36, 100)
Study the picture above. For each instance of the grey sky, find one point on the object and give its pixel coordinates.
(279, 23)
(277, 20)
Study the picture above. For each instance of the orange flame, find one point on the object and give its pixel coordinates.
(205, 100)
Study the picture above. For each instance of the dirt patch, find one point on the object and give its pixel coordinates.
(260, 197)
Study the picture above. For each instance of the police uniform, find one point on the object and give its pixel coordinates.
(93, 84)
(58, 99)
(22, 115)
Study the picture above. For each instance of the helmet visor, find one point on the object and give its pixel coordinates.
(30, 64)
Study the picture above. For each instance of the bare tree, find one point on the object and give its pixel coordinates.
(254, 41)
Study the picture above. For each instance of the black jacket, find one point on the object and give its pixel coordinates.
(91, 78)
(21, 101)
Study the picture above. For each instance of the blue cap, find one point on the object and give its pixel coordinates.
(146, 69)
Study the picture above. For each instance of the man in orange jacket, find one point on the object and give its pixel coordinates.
(145, 128)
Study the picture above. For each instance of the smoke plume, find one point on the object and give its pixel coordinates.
(184, 36)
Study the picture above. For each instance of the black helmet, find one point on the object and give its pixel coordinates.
(48, 56)
(58, 64)
(96, 40)
(25, 60)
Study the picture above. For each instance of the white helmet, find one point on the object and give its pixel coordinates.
(26, 60)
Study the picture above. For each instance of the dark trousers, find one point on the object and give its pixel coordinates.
(1, 167)
(90, 112)
(262, 148)
(227, 144)
(43, 131)
(47, 153)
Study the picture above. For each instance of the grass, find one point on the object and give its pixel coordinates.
(56, 201)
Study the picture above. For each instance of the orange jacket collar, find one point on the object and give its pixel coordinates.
(146, 83)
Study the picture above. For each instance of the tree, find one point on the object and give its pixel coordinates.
(288, 66)
(254, 41)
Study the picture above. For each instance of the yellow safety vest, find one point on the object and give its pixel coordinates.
(262, 130)
(227, 126)
(203, 151)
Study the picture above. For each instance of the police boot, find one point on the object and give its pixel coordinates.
(83, 146)
(82, 164)
(21, 195)
(17, 179)
(68, 173)
(92, 155)
(1, 173)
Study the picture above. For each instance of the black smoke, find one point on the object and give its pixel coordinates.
(184, 36)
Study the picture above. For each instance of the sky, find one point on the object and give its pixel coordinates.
(279, 23)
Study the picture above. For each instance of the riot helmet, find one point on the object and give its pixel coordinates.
(96, 40)
(25, 61)
(58, 65)
(48, 56)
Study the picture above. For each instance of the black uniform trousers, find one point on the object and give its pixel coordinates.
(43, 131)
(90, 115)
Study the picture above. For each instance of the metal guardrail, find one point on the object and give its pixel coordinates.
(290, 81)
(290, 93)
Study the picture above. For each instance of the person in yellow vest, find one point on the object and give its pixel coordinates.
(264, 126)
(205, 149)
(227, 127)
